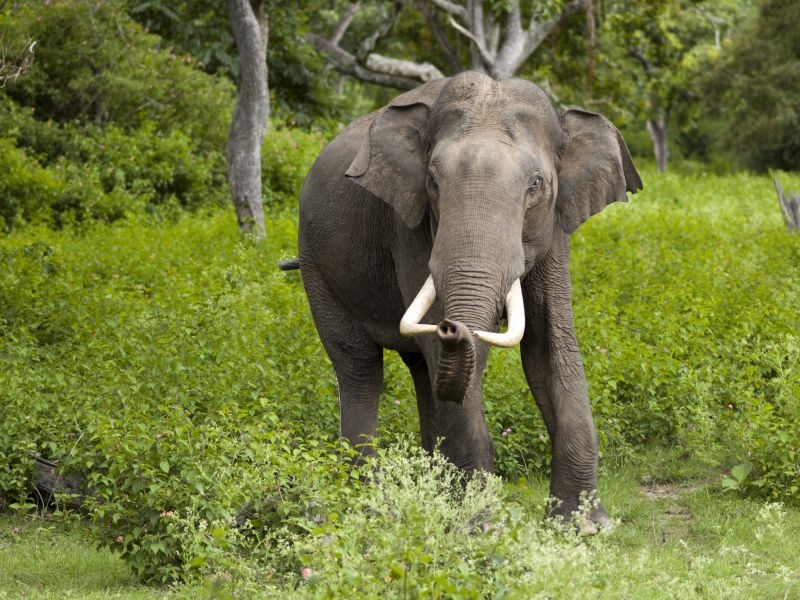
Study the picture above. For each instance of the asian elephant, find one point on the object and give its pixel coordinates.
(424, 223)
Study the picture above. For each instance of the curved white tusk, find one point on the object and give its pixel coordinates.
(515, 311)
(410, 323)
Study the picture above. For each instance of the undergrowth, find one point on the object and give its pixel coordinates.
(178, 371)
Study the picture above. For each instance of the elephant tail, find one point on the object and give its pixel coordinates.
(290, 264)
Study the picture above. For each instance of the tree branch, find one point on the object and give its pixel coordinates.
(790, 208)
(514, 20)
(519, 43)
(478, 49)
(639, 55)
(384, 29)
(403, 68)
(10, 70)
(433, 18)
(346, 63)
(484, 52)
(492, 35)
(451, 8)
(538, 32)
(344, 22)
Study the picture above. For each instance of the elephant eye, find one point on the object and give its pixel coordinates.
(536, 185)
(433, 187)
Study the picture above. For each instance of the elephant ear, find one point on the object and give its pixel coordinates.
(392, 161)
(595, 169)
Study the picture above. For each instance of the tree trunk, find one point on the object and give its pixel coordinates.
(657, 128)
(494, 49)
(250, 117)
(591, 40)
(790, 207)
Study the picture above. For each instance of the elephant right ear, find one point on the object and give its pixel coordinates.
(392, 161)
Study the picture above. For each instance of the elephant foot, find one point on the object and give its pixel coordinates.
(586, 516)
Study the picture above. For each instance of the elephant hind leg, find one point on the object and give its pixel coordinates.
(357, 361)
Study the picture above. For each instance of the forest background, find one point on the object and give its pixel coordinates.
(151, 352)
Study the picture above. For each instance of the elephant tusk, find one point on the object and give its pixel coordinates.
(515, 310)
(410, 323)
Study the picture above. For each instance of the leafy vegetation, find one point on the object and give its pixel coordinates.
(672, 539)
(151, 351)
(95, 64)
(77, 147)
(305, 87)
(178, 371)
(754, 87)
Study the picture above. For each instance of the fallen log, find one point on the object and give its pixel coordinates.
(51, 486)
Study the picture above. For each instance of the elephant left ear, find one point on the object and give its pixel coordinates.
(595, 169)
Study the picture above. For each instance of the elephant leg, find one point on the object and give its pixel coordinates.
(554, 370)
(466, 441)
(459, 428)
(424, 391)
(357, 361)
(360, 379)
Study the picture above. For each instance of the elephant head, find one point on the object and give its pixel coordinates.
(497, 170)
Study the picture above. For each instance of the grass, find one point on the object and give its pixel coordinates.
(45, 559)
(673, 539)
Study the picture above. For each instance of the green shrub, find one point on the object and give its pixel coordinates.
(226, 468)
(681, 301)
(26, 189)
(415, 532)
(286, 156)
(152, 365)
(95, 64)
(152, 168)
(105, 174)
(110, 124)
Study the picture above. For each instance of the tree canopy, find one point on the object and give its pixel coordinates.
(754, 86)
(697, 74)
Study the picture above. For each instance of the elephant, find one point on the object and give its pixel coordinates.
(424, 224)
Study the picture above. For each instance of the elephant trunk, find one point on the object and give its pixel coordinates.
(472, 313)
(456, 368)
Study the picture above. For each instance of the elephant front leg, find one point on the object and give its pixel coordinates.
(554, 370)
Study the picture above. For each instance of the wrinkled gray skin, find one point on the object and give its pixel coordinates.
(477, 182)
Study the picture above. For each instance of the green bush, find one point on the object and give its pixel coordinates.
(94, 64)
(415, 532)
(152, 168)
(683, 300)
(26, 189)
(106, 124)
(140, 358)
(286, 156)
(104, 174)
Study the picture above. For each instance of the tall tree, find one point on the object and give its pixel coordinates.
(501, 37)
(250, 117)
(662, 41)
(754, 85)
(304, 83)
